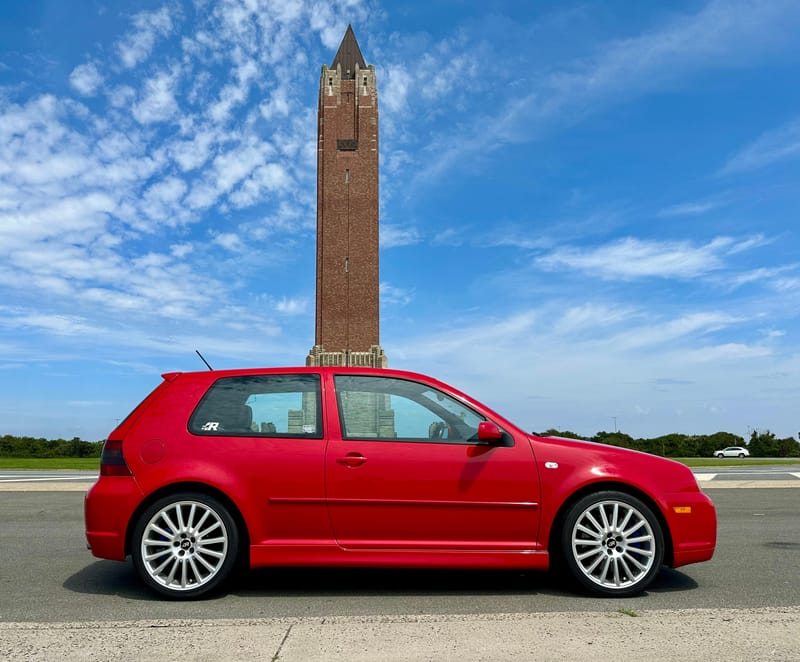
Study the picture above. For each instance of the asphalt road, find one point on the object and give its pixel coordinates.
(48, 576)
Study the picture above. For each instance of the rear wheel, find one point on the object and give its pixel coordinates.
(613, 544)
(185, 545)
(741, 454)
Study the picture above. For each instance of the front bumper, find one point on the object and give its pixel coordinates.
(692, 521)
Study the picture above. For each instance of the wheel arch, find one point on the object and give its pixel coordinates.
(198, 488)
(554, 546)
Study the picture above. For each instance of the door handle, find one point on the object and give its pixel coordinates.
(352, 460)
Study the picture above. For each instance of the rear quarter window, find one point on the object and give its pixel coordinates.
(260, 406)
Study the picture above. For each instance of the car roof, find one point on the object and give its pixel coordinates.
(234, 372)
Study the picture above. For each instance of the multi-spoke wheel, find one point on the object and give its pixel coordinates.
(613, 543)
(185, 545)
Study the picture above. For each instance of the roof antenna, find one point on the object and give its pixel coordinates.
(204, 359)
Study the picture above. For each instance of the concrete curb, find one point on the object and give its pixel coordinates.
(665, 635)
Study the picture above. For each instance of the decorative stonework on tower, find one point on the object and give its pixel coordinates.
(348, 317)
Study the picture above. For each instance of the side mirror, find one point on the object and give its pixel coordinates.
(488, 431)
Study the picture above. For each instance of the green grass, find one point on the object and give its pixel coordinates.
(735, 461)
(50, 463)
(628, 612)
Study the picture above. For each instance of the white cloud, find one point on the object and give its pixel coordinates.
(590, 317)
(292, 306)
(157, 103)
(193, 153)
(649, 335)
(726, 352)
(150, 26)
(631, 258)
(276, 106)
(63, 325)
(395, 86)
(235, 93)
(771, 147)
(689, 209)
(393, 236)
(389, 294)
(161, 201)
(86, 79)
(270, 177)
(450, 237)
(229, 241)
(787, 284)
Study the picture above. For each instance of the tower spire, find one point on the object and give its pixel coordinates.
(349, 55)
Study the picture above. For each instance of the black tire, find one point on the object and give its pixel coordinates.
(720, 455)
(612, 544)
(741, 455)
(185, 545)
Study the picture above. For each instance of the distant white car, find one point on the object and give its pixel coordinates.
(732, 451)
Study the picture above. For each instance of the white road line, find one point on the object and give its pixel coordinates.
(700, 477)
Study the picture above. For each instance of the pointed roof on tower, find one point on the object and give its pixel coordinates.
(349, 55)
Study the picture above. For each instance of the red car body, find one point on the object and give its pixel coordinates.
(322, 497)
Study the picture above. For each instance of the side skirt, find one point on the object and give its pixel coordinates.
(333, 555)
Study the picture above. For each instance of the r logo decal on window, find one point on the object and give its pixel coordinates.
(211, 426)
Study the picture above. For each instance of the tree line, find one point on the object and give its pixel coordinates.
(761, 443)
(32, 447)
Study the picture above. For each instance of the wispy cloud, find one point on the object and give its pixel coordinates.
(391, 295)
(762, 274)
(149, 27)
(393, 236)
(722, 34)
(631, 258)
(689, 209)
(771, 147)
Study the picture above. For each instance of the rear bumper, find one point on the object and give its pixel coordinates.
(692, 521)
(108, 507)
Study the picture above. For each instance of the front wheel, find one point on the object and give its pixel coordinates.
(613, 544)
(720, 454)
(185, 545)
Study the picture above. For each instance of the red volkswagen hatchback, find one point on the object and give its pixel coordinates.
(363, 467)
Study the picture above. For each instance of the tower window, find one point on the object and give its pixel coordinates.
(347, 176)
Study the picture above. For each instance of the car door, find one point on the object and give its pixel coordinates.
(262, 438)
(405, 470)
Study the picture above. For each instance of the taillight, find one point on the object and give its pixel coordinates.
(112, 462)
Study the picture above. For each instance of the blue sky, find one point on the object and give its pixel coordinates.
(589, 210)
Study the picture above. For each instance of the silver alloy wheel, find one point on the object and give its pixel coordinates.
(613, 544)
(184, 545)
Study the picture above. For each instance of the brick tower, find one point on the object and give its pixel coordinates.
(348, 318)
